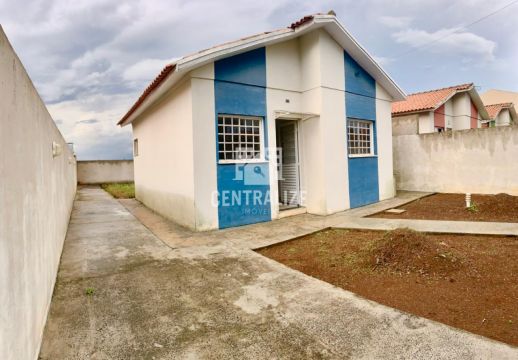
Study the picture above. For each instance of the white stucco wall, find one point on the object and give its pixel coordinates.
(426, 122)
(475, 161)
(36, 194)
(311, 131)
(164, 168)
(204, 142)
(283, 77)
(332, 120)
(503, 118)
(322, 140)
(387, 188)
(448, 111)
(104, 171)
(462, 111)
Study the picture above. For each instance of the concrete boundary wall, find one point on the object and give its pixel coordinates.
(37, 189)
(477, 161)
(104, 171)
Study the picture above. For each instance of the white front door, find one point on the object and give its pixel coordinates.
(289, 184)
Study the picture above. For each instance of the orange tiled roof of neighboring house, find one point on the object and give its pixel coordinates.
(494, 109)
(427, 100)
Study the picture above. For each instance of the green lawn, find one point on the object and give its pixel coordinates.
(120, 191)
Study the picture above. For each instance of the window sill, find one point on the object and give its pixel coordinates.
(362, 156)
(243, 162)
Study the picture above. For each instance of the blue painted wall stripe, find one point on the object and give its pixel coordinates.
(240, 89)
(360, 103)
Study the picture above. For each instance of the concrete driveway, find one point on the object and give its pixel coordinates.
(216, 300)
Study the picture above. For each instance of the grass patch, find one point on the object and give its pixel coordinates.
(120, 190)
(89, 291)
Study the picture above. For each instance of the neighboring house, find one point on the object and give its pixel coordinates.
(500, 115)
(501, 107)
(453, 108)
(297, 118)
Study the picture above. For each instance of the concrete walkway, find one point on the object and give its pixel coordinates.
(217, 300)
(264, 234)
(433, 226)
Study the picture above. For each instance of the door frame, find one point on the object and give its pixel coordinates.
(296, 124)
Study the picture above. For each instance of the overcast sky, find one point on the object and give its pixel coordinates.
(90, 59)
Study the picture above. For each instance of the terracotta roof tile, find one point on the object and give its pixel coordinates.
(494, 109)
(301, 22)
(426, 101)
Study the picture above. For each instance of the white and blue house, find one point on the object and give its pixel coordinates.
(290, 121)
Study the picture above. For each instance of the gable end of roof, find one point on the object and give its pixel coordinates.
(188, 63)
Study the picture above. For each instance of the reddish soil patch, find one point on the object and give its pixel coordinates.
(466, 281)
(498, 208)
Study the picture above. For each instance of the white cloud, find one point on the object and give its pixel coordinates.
(396, 21)
(90, 123)
(452, 41)
(382, 60)
(145, 70)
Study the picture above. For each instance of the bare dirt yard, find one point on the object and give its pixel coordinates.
(466, 281)
(498, 208)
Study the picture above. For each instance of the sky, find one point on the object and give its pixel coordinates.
(91, 59)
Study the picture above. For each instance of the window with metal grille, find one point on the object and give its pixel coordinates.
(359, 138)
(239, 138)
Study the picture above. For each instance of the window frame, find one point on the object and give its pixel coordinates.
(371, 135)
(135, 147)
(261, 158)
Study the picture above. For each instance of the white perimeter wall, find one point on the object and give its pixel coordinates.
(164, 173)
(104, 171)
(36, 195)
(476, 161)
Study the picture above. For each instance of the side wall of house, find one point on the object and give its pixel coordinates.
(474, 120)
(448, 111)
(164, 174)
(405, 125)
(503, 118)
(426, 121)
(461, 111)
(439, 117)
(36, 194)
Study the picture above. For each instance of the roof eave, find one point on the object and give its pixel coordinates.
(412, 112)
